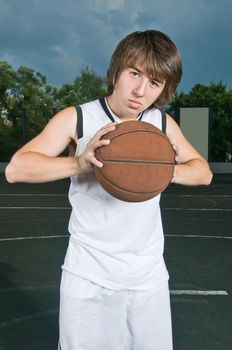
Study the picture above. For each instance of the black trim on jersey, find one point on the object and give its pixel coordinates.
(79, 122)
(105, 107)
(107, 111)
(164, 121)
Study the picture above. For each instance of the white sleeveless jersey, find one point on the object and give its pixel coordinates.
(115, 244)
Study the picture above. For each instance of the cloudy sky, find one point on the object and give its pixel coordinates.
(60, 37)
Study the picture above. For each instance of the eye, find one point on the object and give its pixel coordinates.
(154, 83)
(134, 73)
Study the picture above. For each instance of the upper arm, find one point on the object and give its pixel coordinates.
(186, 151)
(57, 134)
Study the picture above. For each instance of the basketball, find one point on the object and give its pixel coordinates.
(138, 164)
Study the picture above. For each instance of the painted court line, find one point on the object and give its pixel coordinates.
(65, 236)
(39, 315)
(197, 209)
(198, 236)
(33, 195)
(32, 288)
(27, 318)
(65, 195)
(172, 291)
(68, 208)
(31, 238)
(198, 292)
(37, 208)
(198, 195)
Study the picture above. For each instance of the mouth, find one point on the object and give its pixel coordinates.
(135, 103)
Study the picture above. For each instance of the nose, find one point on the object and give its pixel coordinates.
(139, 89)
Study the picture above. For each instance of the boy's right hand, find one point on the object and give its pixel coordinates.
(87, 159)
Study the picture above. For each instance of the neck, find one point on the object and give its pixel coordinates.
(117, 109)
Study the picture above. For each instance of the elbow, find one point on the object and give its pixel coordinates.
(206, 173)
(9, 173)
(208, 177)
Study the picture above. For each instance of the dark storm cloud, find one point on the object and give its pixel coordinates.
(58, 38)
(201, 30)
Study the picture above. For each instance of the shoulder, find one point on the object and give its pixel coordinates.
(66, 120)
(173, 128)
(174, 132)
(67, 113)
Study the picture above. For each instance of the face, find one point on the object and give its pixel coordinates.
(134, 92)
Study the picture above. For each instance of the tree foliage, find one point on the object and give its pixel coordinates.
(89, 85)
(219, 99)
(86, 87)
(7, 83)
(28, 102)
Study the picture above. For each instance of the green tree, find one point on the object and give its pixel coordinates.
(7, 83)
(219, 99)
(7, 132)
(89, 85)
(65, 96)
(32, 102)
(8, 142)
(26, 103)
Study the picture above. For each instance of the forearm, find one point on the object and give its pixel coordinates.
(32, 167)
(193, 172)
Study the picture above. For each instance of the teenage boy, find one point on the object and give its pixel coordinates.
(114, 291)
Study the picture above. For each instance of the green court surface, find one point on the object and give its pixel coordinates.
(198, 253)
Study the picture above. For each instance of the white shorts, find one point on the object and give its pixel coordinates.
(96, 318)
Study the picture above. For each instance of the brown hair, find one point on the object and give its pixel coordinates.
(156, 53)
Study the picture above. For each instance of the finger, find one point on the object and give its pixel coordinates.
(103, 142)
(109, 124)
(105, 130)
(177, 160)
(96, 162)
(98, 144)
(174, 147)
(174, 175)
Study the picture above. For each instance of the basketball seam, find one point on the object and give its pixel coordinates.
(127, 191)
(158, 132)
(131, 161)
(116, 186)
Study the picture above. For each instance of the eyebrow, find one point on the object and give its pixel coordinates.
(139, 71)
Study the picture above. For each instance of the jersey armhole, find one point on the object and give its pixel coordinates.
(164, 121)
(79, 122)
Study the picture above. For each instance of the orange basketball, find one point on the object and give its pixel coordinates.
(138, 164)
